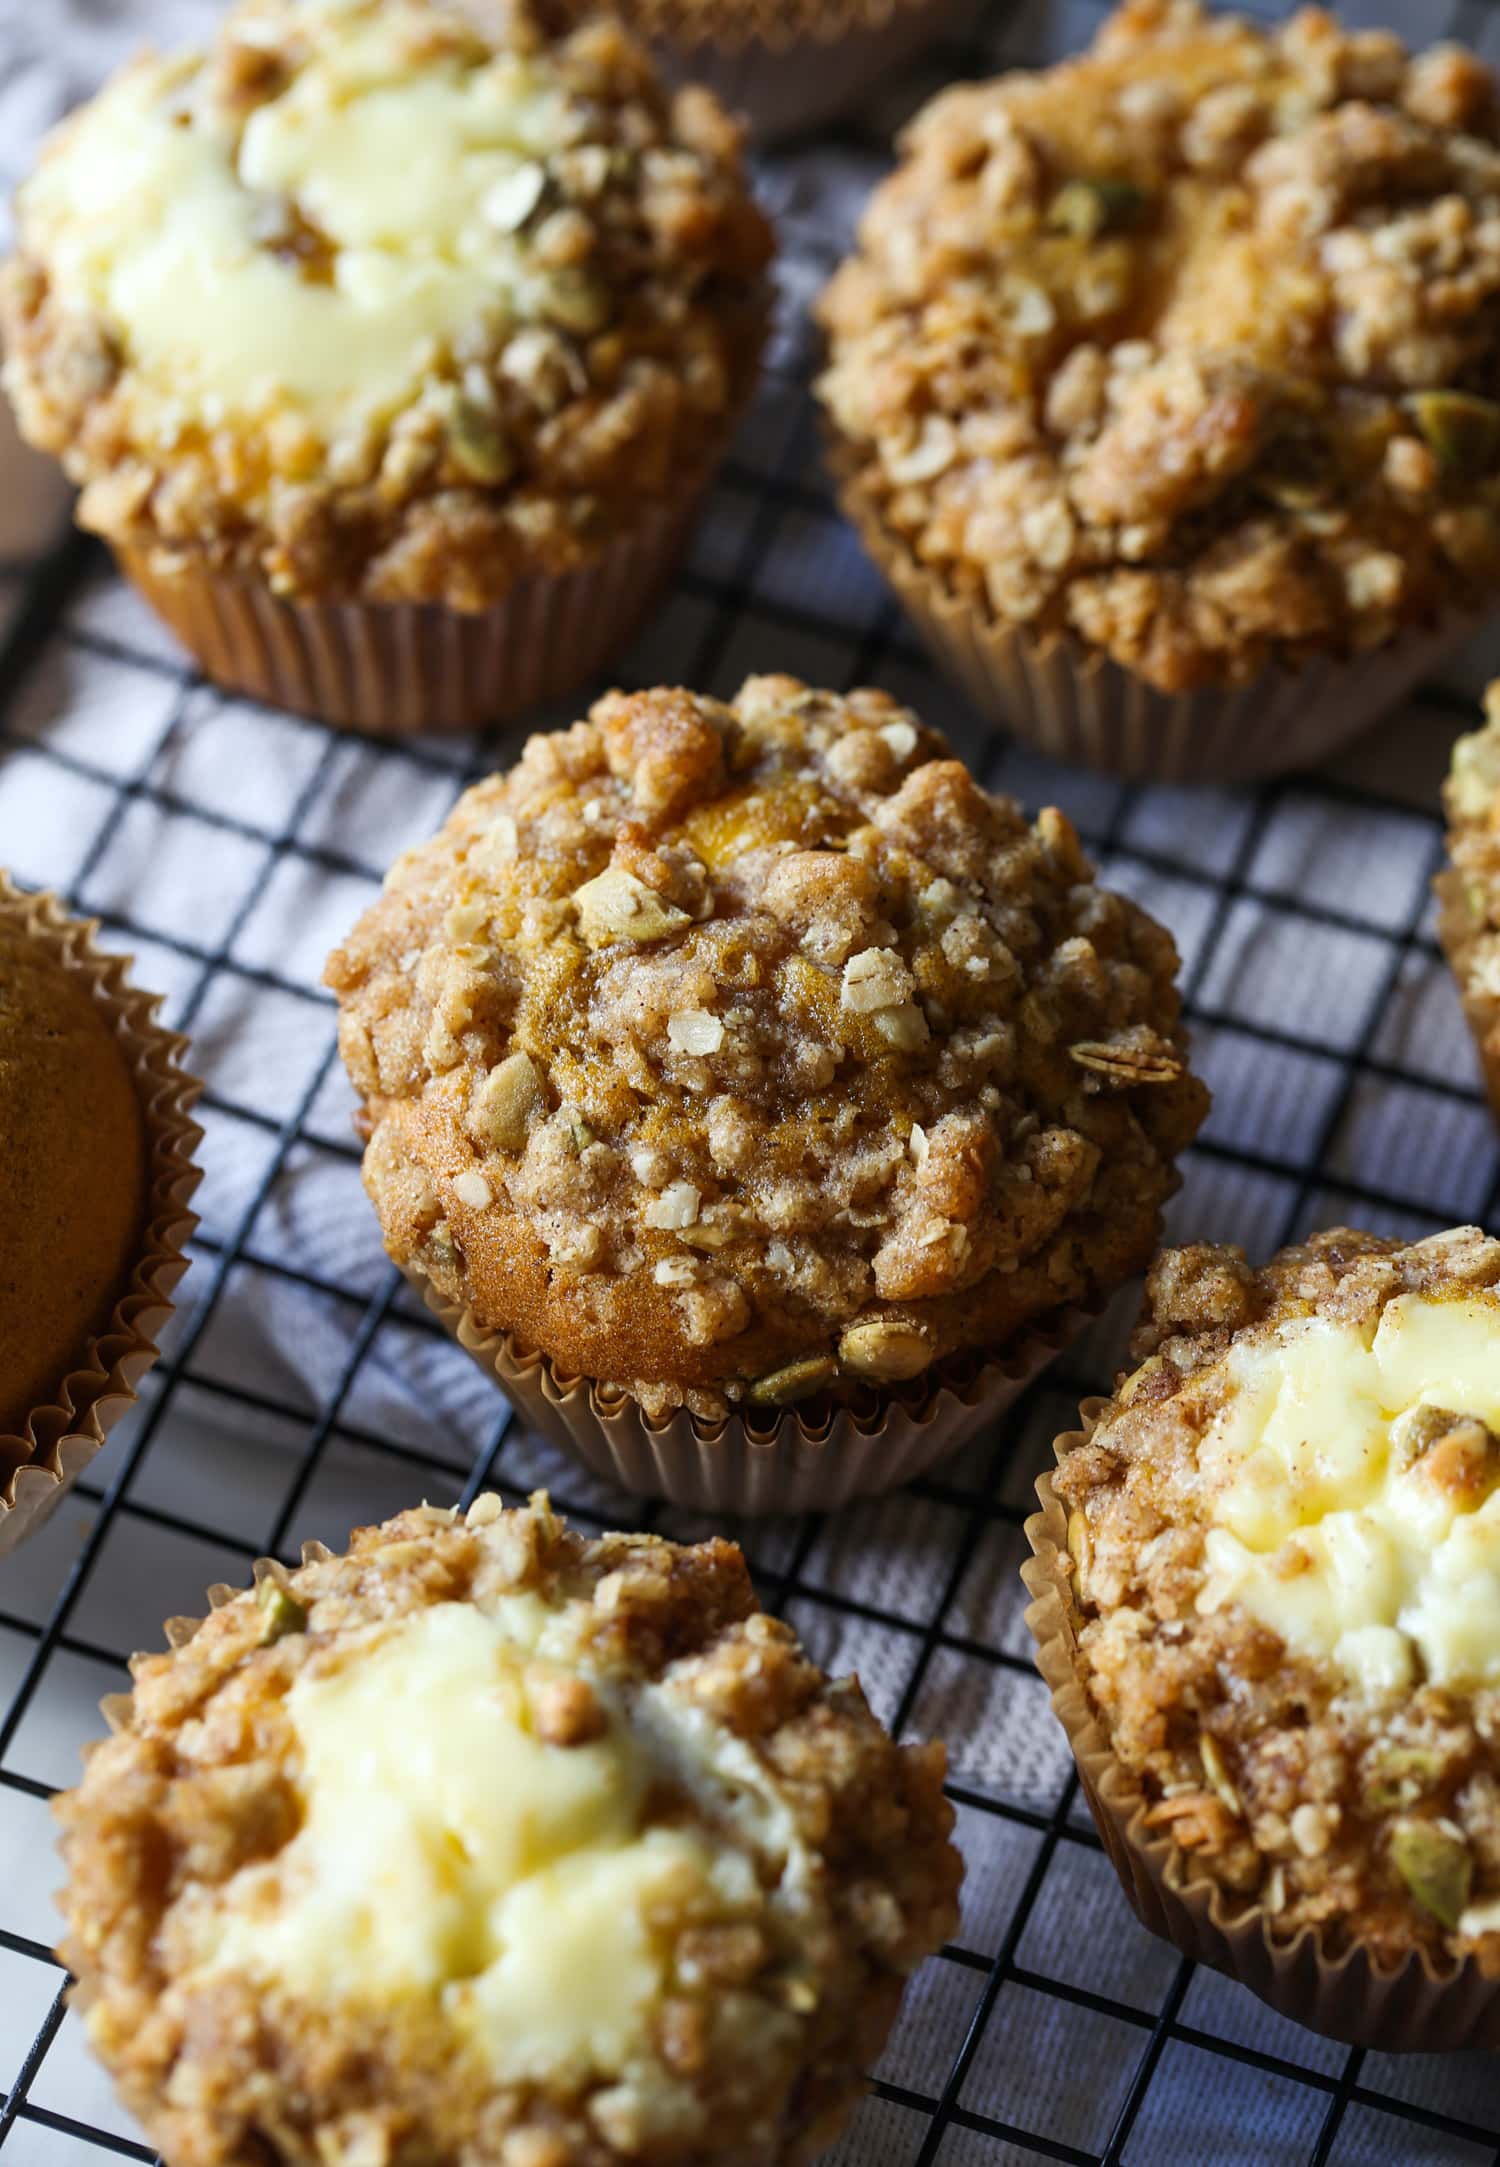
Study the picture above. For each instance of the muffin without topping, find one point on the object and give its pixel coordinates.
(1285, 1585)
(728, 1052)
(488, 1842)
(1185, 349)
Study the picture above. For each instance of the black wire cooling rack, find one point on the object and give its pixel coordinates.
(302, 1392)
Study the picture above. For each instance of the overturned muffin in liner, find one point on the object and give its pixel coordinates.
(1410, 2008)
(391, 669)
(40, 1460)
(813, 1457)
(788, 65)
(1078, 706)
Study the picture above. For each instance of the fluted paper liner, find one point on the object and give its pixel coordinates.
(1076, 705)
(787, 65)
(39, 1462)
(1412, 2008)
(809, 1458)
(392, 669)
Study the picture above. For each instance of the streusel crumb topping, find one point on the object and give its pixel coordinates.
(389, 296)
(728, 1050)
(485, 1841)
(1468, 889)
(1285, 1549)
(1188, 347)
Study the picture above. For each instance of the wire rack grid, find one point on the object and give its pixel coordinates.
(302, 1391)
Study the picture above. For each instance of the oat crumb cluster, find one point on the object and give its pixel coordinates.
(1468, 888)
(1285, 1547)
(630, 1879)
(728, 1051)
(1186, 348)
(389, 300)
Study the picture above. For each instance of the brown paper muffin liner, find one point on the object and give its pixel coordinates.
(1412, 2008)
(392, 669)
(789, 65)
(812, 1458)
(39, 1462)
(1078, 706)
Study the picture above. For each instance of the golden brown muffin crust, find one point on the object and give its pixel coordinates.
(72, 1181)
(722, 1048)
(1330, 1806)
(759, 2047)
(1187, 347)
(534, 432)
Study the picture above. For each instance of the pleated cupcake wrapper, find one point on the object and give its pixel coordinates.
(393, 669)
(810, 1458)
(1412, 2008)
(39, 1462)
(787, 67)
(1078, 706)
(1456, 931)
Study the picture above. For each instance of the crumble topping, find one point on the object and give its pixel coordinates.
(731, 1050)
(1285, 1545)
(396, 296)
(485, 1839)
(1468, 889)
(1187, 347)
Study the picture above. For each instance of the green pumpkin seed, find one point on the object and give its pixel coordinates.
(1434, 1862)
(1462, 429)
(1089, 208)
(781, 1387)
(1401, 1775)
(281, 1610)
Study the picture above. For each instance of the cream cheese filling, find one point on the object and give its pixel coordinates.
(150, 215)
(1340, 1515)
(449, 1850)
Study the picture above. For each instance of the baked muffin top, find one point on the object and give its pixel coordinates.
(387, 297)
(72, 1179)
(1468, 888)
(488, 1841)
(1187, 348)
(1285, 1534)
(722, 1050)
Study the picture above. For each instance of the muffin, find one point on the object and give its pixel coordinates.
(1160, 385)
(1468, 888)
(93, 1191)
(1268, 1582)
(789, 65)
(486, 1843)
(391, 343)
(732, 1057)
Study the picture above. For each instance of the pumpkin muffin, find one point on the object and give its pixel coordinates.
(789, 66)
(1468, 889)
(1276, 1552)
(390, 342)
(735, 1053)
(485, 1842)
(1161, 383)
(73, 1183)
(94, 1110)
